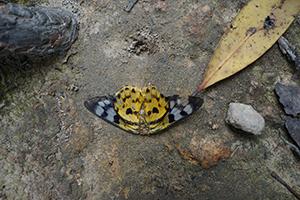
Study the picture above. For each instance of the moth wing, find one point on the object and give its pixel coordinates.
(177, 111)
(155, 105)
(104, 108)
(128, 102)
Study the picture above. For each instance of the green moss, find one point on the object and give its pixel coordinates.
(13, 168)
(192, 168)
(256, 70)
(16, 189)
(29, 169)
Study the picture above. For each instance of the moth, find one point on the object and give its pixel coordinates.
(142, 111)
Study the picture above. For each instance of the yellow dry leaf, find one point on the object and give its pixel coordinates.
(252, 32)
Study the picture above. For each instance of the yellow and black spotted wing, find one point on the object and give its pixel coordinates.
(144, 112)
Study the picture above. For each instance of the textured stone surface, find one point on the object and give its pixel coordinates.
(244, 117)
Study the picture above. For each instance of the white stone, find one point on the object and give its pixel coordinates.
(244, 117)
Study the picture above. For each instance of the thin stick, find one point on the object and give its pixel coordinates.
(274, 175)
(234, 151)
(144, 158)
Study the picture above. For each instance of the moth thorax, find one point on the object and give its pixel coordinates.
(142, 112)
(143, 127)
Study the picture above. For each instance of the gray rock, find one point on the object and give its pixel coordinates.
(244, 117)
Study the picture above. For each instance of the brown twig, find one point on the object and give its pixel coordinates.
(234, 151)
(274, 175)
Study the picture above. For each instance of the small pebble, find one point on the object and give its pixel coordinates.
(161, 6)
(244, 117)
(215, 126)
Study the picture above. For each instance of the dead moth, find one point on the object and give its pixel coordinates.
(142, 111)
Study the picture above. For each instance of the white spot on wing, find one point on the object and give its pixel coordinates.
(111, 113)
(176, 112)
(172, 103)
(99, 110)
(188, 109)
(177, 116)
(107, 102)
(101, 103)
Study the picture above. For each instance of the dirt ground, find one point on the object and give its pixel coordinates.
(52, 147)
